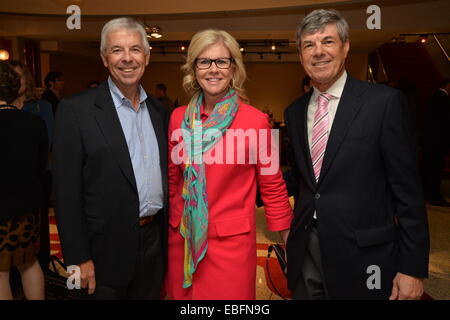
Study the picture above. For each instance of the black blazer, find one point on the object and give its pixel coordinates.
(436, 124)
(97, 203)
(368, 199)
(23, 159)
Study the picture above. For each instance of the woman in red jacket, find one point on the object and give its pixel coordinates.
(219, 151)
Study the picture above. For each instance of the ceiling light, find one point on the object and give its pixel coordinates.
(154, 32)
(4, 55)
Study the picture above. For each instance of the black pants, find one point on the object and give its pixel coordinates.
(149, 269)
(311, 285)
(434, 163)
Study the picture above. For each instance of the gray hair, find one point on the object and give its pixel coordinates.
(127, 23)
(318, 20)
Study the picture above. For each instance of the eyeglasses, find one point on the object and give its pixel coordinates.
(221, 63)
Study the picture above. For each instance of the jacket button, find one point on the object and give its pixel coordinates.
(317, 196)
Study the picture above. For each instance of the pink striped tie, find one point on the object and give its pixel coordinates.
(320, 133)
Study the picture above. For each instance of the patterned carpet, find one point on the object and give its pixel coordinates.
(278, 279)
(271, 282)
(55, 248)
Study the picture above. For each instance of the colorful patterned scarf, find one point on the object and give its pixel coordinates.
(199, 138)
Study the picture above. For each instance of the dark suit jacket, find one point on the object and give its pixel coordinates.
(437, 124)
(97, 203)
(24, 151)
(368, 199)
(49, 96)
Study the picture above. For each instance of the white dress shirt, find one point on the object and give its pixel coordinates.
(335, 90)
(143, 149)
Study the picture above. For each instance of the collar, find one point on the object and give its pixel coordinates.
(336, 88)
(443, 90)
(119, 95)
(203, 114)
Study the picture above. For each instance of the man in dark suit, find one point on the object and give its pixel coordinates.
(436, 143)
(161, 95)
(360, 227)
(54, 82)
(110, 154)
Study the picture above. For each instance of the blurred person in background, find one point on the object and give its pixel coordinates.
(54, 82)
(93, 84)
(161, 94)
(43, 109)
(436, 143)
(24, 149)
(306, 84)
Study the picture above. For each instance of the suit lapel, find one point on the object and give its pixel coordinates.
(348, 107)
(109, 123)
(305, 161)
(161, 137)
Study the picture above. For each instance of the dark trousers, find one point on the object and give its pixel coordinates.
(311, 285)
(149, 269)
(434, 162)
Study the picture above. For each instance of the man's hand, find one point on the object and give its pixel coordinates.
(406, 288)
(87, 275)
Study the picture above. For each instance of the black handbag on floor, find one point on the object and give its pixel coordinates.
(56, 284)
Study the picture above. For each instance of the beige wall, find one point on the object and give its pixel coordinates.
(270, 84)
(274, 85)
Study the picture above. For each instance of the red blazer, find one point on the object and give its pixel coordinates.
(228, 270)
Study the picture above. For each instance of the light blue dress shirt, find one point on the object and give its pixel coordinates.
(143, 148)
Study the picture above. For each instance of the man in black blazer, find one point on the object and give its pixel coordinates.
(360, 228)
(436, 143)
(110, 169)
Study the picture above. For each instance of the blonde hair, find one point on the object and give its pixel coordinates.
(199, 42)
(31, 93)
